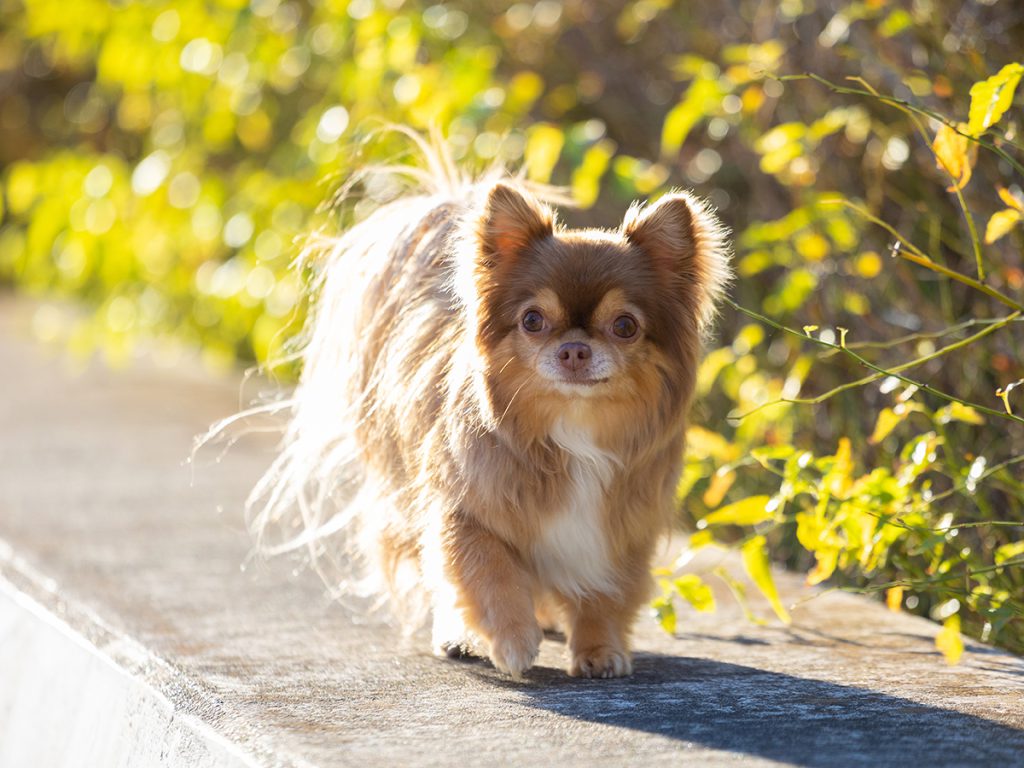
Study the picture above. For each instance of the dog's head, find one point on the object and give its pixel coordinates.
(608, 317)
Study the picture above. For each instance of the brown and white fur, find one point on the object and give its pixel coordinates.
(501, 473)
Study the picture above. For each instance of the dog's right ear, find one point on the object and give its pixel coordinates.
(511, 220)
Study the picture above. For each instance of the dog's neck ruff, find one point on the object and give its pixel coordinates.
(572, 556)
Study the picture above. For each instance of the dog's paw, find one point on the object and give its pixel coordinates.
(514, 650)
(455, 649)
(601, 662)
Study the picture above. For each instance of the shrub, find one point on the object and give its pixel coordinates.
(158, 160)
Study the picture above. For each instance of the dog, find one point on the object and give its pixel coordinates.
(492, 409)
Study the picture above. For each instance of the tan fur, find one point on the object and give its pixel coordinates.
(478, 464)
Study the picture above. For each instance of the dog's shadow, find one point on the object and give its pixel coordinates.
(744, 710)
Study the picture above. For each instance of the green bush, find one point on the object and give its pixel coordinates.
(160, 159)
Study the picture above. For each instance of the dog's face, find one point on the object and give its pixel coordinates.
(577, 312)
(607, 317)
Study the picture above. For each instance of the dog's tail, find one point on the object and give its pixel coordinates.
(316, 497)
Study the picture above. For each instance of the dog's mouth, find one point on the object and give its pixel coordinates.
(581, 383)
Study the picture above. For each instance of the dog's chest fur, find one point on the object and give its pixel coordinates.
(572, 554)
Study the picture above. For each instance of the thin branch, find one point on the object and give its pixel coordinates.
(892, 100)
(955, 185)
(912, 584)
(902, 367)
(864, 362)
(995, 468)
(915, 255)
(924, 335)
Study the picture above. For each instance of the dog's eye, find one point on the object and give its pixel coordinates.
(624, 326)
(533, 321)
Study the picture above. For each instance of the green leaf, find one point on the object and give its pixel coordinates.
(749, 511)
(992, 97)
(694, 591)
(757, 566)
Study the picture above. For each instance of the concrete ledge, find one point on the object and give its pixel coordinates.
(130, 634)
(66, 702)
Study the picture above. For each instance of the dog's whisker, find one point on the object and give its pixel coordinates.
(515, 394)
(506, 365)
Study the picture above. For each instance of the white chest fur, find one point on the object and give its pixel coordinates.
(572, 554)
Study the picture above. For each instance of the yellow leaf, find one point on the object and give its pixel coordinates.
(704, 444)
(1003, 393)
(894, 599)
(886, 423)
(543, 146)
(749, 511)
(824, 566)
(702, 98)
(897, 21)
(951, 155)
(701, 539)
(755, 562)
(960, 412)
(1009, 552)
(1001, 223)
(949, 641)
(665, 613)
(837, 481)
(719, 486)
(586, 179)
(714, 363)
(812, 531)
(692, 472)
(991, 98)
(1010, 199)
(740, 593)
(869, 264)
(694, 591)
(811, 246)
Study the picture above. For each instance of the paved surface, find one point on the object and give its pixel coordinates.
(130, 634)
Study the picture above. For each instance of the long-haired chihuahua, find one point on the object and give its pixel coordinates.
(492, 409)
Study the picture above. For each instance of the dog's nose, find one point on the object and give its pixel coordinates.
(574, 355)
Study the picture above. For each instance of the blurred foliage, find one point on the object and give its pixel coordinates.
(160, 159)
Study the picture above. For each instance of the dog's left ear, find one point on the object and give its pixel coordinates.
(683, 237)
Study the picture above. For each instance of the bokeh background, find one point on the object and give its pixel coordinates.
(160, 163)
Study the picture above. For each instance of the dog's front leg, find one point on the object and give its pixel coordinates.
(598, 639)
(493, 593)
